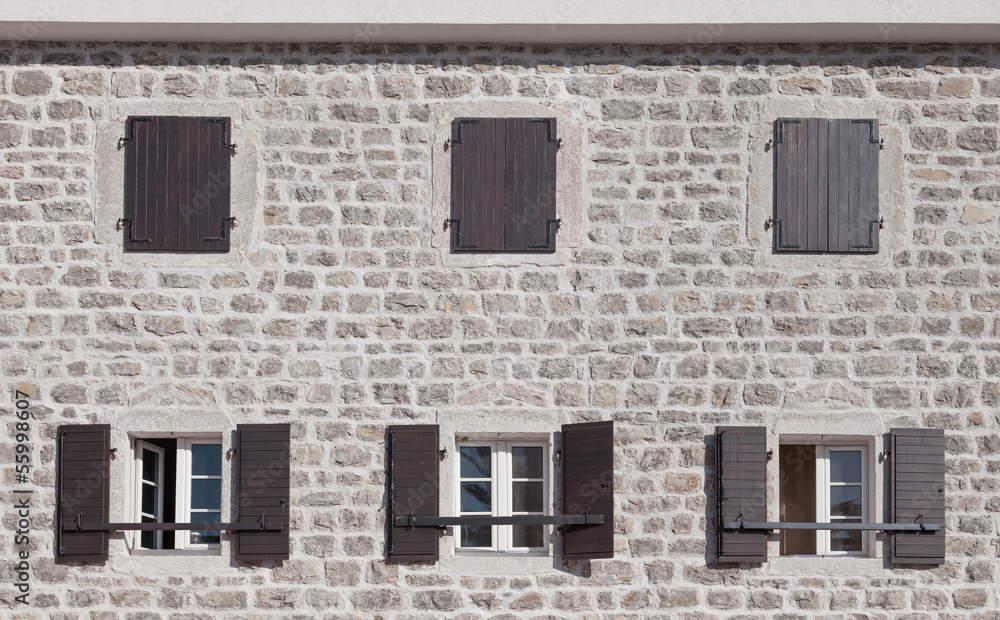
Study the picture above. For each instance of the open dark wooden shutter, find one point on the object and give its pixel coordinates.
(177, 184)
(261, 476)
(83, 489)
(414, 470)
(741, 491)
(503, 185)
(826, 185)
(917, 493)
(588, 473)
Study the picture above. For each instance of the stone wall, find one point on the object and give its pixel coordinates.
(337, 313)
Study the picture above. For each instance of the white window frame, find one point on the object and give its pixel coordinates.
(501, 468)
(182, 539)
(138, 483)
(182, 492)
(823, 485)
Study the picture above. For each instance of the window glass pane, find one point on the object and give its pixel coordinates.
(845, 501)
(148, 499)
(147, 540)
(206, 494)
(845, 466)
(477, 497)
(526, 462)
(199, 537)
(150, 465)
(206, 459)
(476, 536)
(476, 462)
(528, 535)
(846, 541)
(527, 497)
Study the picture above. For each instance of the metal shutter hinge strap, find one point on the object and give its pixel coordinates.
(548, 234)
(458, 233)
(122, 222)
(225, 220)
(131, 131)
(778, 224)
(871, 233)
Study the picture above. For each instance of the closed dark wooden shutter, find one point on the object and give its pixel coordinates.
(741, 491)
(826, 185)
(917, 493)
(177, 184)
(261, 475)
(150, 222)
(503, 185)
(83, 490)
(588, 472)
(414, 486)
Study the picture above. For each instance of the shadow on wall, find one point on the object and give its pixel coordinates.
(837, 59)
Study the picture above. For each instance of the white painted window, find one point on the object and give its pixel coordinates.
(502, 478)
(824, 483)
(177, 480)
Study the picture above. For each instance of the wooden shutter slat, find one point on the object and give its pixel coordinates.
(588, 482)
(414, 488)
(917, 487)
(261, 479)
(741, 488)
(83, 486)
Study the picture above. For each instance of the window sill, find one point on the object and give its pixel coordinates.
(826, 566)
(175, 552)
(493, 563)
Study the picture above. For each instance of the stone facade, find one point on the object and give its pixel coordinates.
(336, 311)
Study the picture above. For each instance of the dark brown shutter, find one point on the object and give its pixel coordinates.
(83, 490)
(204, 179)
(414, 470)
(588, 471)
(503, 185)
(150, 222)
(826, 185)
(261, 481)
(177, 184)
(741, 491)
(917, 493)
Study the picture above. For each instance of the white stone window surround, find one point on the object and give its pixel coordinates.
(110, 185)
(570, 124)
(818, 428)
(493, 424)
(184, 420)
(760, 190)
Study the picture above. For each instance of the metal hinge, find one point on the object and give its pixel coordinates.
(458, 233)
(548, 234)
(778, 224)
(231, 220)
(121, 224)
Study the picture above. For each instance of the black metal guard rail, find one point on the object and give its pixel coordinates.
(414, 521)
(885, 527)
(79, 526)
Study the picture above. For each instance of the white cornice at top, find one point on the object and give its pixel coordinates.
(528, 21)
